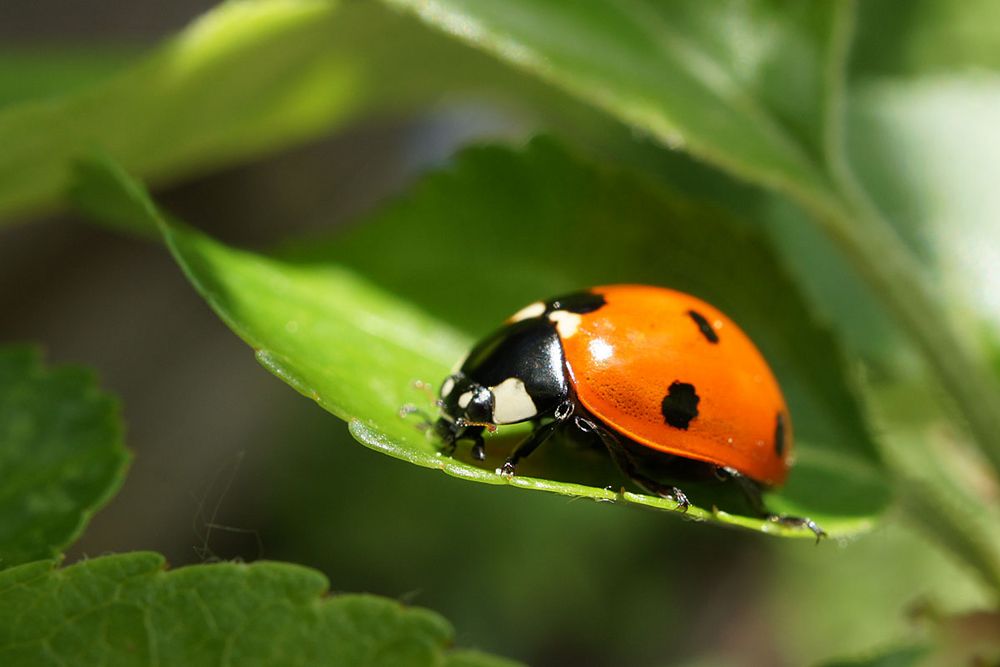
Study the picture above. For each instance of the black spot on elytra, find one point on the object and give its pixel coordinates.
(706, 329)
(578, 302)
(779, 436)
(680, 405)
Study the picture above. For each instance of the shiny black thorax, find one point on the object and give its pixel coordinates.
(529, 351)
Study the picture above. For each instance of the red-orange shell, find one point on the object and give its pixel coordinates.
(624, 357)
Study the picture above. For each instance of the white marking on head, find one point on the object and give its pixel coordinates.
(511, 402)
(566, 322)
(600, 349)
(531, 310)
(464, 400)
(448, 385)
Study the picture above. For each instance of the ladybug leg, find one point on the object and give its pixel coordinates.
(540, 434)
(752, 491)
(451, 442)
(527, 446)
(798, 522)
(478, 447)
(425, 423)
(627, 465)
(449, 447)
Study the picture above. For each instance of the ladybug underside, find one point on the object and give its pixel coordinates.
(558, 364)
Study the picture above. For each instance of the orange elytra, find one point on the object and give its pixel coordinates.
(673, 373)
(653, 374)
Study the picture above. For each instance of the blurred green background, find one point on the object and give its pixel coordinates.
(230, 463)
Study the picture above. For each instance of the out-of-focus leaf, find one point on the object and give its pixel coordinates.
(864, 594)
(748, 86)
(61, 455)
(963, 639)
(127, 610)
(466, 658)
(919, 37)
(247, 78)
(500, 229)
(907, 656)
(835, 289)
(946, 488)
(930, 151)
(48, 71)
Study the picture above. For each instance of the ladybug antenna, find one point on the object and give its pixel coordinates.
(487, 425)
(425, 419)
(427, 389)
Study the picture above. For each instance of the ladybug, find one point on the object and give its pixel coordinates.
(661, 379)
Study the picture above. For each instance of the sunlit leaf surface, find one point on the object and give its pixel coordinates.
(748, 86)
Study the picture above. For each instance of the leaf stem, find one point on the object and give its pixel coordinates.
(870, 242)
(881, 257)
(934, 512)
(884, 261)
(854, 222)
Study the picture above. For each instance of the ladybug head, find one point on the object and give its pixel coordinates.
(464, 404)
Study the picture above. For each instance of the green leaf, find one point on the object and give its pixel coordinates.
(930, 148)
(473, 244)
(476, 659)
(947, 639)
(47, 72)
(128, 610)
(863, 596)
(906, 656)
(944, 486)
(748, 86)
(247, 78)
(61, 455)
(920, 37)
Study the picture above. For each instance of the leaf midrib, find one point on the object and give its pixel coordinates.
(714, 77)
